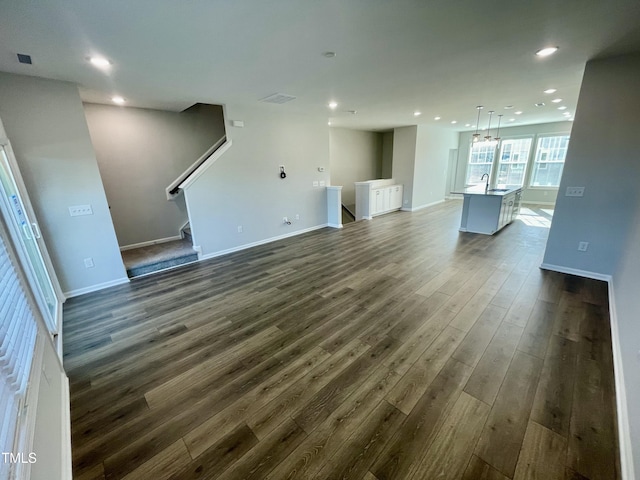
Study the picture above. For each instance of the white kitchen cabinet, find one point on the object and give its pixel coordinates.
(488, 212)
(376, 197)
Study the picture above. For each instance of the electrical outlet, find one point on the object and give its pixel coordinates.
(285, 220)
(315, 183)
(88, 263)
(574, 192)
(78, 210)
(239, 228)
(322, 183)
(583, 246)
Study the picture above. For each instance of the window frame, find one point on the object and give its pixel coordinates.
(538, 138)
(527, 162)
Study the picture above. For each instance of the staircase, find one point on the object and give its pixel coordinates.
(348, 214)
(160, 256)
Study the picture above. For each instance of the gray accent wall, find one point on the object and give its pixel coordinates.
(45, 123)
(531, 195)
(244, 188)
(356, 156)
(603, 157)
(387, 155)
(140, 152)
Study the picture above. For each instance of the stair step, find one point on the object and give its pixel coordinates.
(186, 231)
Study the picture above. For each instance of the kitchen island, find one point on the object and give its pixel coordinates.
(487, 211)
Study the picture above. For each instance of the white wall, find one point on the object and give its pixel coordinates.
(140, 152)
(532, 195)
(432, 159)
(355, 156)
(244, 186)
(603, 158)
(420, 160)
(45, 122)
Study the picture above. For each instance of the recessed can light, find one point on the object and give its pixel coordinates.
(118, 99)
(539, 104)
(329, 54)
(512, 119)
(333, 105)
(550, 90)
(100, 62)
(436, 118)
(556, 100)
(519, 112)
(454, 121)
(417, 113)
(562, 108)
(467, 124)
(508, 107)
(545, 52)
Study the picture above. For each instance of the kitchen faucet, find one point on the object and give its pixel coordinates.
(482, 178)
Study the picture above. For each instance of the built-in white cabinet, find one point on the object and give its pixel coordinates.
(376, 197)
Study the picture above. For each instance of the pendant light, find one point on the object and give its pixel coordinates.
(476, 136)
(487, 137)
(497, 139)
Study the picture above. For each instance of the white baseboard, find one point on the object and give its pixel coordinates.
(334, 225)
(67, 470)
(422, 207)
(624, 434)
(150, 242)
(260, 242)
(531, 202)
(95, 288)
(577, 272)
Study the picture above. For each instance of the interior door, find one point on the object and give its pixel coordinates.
(25, 230)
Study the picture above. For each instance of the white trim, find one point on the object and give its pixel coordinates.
(575, 271)
(531, 202)
(334, 225)
(261, 242)
(624, 434)
(95, 288)
(421, 207)
(150, 242)
(67, 470)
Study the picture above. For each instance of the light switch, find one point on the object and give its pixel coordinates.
(315, 183)
(574, 192)
(78, 210)
(322, 183)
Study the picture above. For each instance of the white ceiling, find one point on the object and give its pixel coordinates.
(442, 57)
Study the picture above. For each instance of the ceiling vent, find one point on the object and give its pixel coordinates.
(278, 98)
(23, 58)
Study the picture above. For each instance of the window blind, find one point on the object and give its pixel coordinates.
(18, 330)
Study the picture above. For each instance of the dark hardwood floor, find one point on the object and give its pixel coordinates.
(392, 349)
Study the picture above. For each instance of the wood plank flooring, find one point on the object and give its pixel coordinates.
(392, 349)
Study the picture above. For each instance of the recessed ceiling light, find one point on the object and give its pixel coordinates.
(454, 121)
(417, 114)
(467, 124)
(436, 118)
(100, 62)
(333, 105)
(508, 107)
(540, 104)
(545, 52)
(328, 123)
(519, 112)
(570, 119)
(562, 108)
(550, 90)
(566, 114)
(512, 119)
(329, 54)
(556, 100)
(118, 99)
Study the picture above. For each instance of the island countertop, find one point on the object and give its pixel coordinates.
(480, 190)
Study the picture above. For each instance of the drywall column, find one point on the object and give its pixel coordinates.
(420, 158)
(334, 207)
(603, 158)
(45, 123)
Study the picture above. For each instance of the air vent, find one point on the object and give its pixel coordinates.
(23, 58)
(278, 98)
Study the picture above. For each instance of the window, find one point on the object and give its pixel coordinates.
(512, 163)
(549, 161)
(18, 330)
(480, 161)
